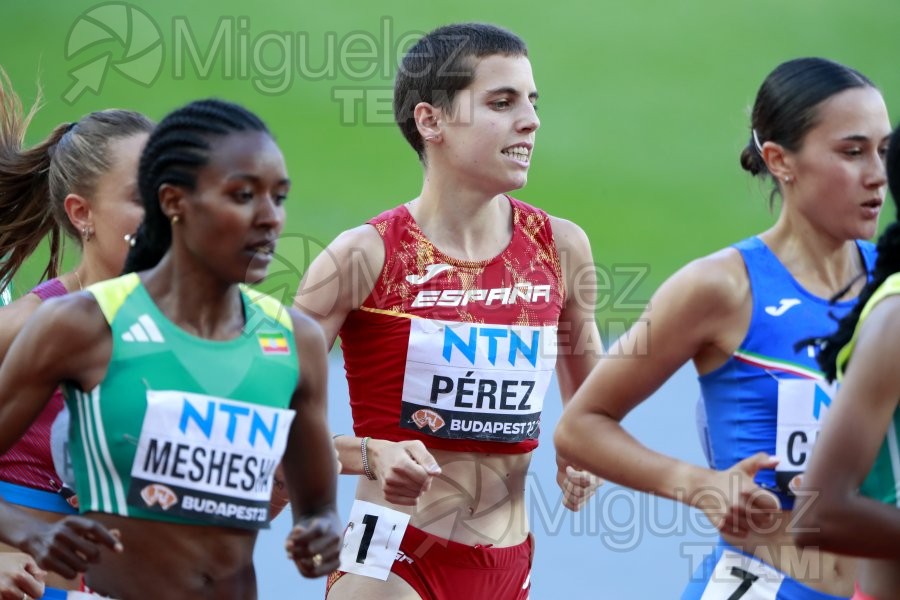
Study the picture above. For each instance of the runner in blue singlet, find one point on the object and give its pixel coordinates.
(819, 130)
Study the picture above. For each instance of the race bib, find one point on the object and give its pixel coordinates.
(208, 459)
(477, 382)
(372, 539)
(802, 406)
(741, 577)
(62, 458)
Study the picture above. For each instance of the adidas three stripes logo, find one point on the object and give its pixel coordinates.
(144, 330)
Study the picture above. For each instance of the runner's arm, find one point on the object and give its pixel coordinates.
(579, 346)
(66, 339)
(830, 512)
(309, 465)
(12, 320)
(340, 279)
(689, 312)
(32, 370)
(337, 282)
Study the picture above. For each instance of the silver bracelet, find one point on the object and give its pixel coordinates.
(364, 450)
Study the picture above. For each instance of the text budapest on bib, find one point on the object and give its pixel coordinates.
(477, 382)
(208, 459)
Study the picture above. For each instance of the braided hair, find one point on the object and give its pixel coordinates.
(887, 263)
(176, 151)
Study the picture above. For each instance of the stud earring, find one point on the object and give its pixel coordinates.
(87, 232)
(130, 239)
(175, 219)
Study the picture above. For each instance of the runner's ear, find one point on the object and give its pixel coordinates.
(171, 199)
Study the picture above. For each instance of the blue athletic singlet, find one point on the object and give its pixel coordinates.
(728, 573)
(769, 397)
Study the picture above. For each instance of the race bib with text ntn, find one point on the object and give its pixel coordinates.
(802, 407)
(208, 459)
(477, 382)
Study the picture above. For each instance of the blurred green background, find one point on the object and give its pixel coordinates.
(644, 109)
(644, 105)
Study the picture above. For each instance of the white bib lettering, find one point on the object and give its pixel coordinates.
(208, 459)
(802, 406)
(372, 539)
(478, 382)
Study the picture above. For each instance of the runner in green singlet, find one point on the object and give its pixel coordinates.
(185, 387)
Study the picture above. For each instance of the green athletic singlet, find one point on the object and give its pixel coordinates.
(184, 429)
(883, 481)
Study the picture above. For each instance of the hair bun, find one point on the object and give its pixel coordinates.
(751, 160)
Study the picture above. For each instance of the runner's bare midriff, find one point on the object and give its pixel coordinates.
(477, 498)
(819, 570)
(179, 562)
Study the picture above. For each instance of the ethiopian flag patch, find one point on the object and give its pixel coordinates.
(273, 343)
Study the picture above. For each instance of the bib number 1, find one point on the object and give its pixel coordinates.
(369, 521)
(372, 539)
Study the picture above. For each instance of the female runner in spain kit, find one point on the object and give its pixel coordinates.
(454, 310)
